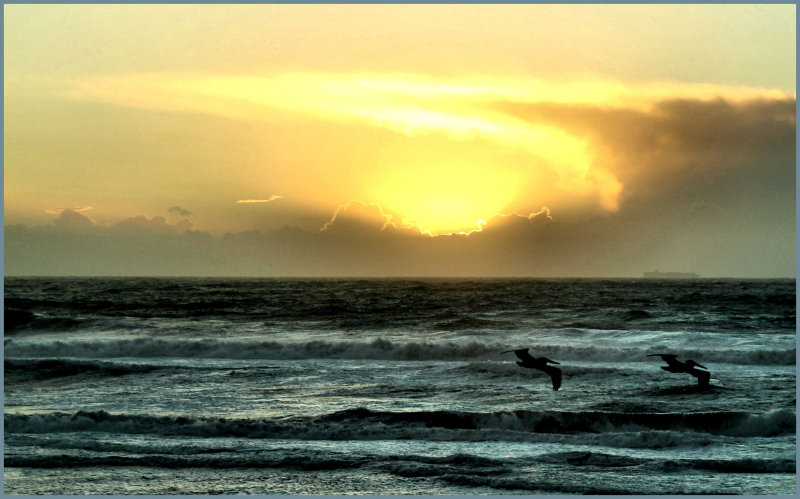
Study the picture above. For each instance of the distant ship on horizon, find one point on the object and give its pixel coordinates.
(670, 275)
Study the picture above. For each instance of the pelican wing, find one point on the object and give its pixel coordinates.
(523, 355)
(555, 376)
(697, 364)
(703, 377)
(669, 358)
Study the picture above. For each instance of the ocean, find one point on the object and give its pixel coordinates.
(397, 386)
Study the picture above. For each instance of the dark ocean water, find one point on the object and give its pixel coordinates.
(269, 386)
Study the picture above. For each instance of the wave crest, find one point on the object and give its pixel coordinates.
(378, 349)
(365, 424)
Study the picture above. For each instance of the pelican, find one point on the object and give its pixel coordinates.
(676, 366)
(539, 363)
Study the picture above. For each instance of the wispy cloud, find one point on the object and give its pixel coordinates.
(268, 200)
(58, 211)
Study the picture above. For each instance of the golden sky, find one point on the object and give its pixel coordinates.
(441, 117)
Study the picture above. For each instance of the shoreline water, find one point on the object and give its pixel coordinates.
(241, 386)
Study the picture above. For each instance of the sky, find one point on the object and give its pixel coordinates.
(400, 140)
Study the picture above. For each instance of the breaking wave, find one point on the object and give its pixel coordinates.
(365, 424)
(72, 452)
(17, 321)
(379, 349)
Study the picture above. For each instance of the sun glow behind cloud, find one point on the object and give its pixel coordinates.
(452, 196)
(448, 195)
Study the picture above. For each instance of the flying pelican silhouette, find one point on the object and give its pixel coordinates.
(676, 366)
(539, 363)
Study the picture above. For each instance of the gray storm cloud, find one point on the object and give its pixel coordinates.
(682, 145)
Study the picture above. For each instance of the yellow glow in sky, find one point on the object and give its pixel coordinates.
(450, 195)
(225, 109)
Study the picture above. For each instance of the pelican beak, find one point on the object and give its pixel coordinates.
(700, 365)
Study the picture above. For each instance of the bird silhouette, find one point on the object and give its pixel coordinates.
(540, 363)
(689, 367)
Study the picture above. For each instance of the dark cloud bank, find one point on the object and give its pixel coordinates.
(709, 188)
(512, 245)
